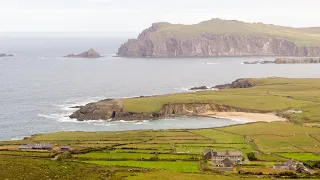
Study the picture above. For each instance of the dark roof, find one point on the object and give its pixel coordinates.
(205, 152)
(64, 147)
(227, 162)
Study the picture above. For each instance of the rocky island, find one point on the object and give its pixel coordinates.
(88, 54)
(218, 37)
(6, 55)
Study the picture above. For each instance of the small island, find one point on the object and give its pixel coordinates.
(88, 54)
(6, 55)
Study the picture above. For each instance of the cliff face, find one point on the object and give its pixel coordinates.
(152, 42)
(106, 110)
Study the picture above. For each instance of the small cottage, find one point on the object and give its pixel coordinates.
(292, 165)
(65, 148)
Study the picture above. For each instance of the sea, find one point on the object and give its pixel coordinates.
(38, 86)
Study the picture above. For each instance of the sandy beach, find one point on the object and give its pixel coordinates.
(254, 117)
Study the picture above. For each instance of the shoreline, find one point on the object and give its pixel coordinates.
(244, 116)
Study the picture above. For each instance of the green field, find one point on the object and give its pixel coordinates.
(173, 166)
(301, 156)
(113, 155)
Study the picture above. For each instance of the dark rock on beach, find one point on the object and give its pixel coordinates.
(239, 83)
(199, 88)
(88, 54)
(259, 62)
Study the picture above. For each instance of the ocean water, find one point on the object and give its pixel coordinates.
(38, 86)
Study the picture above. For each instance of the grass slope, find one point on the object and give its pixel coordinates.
(271, 94)
(300, 36)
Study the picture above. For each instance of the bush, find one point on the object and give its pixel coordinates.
(63, 156)
(252, 156)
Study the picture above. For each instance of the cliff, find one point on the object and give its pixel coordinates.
(221, 38)
(87, 54)
(112, 109)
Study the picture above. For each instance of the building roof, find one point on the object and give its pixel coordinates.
(29, 146)
(64, 147)
(205, 152)
(227, 162)
(40, 146)
(227, 153)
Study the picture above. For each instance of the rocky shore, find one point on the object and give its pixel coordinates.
(297, 60)
(288, 61)
(87, 54)
(112, 109)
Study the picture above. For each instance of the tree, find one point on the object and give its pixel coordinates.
(252, 156)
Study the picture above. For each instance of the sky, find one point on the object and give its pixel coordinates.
(136, 15)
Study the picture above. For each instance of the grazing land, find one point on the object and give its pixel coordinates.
(156, 154)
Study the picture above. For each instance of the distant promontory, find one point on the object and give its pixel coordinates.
(6, 55)
(219, 37)
(88, 54)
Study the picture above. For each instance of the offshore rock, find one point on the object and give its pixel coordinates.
(88, 54)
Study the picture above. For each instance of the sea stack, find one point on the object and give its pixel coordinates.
(88, 54)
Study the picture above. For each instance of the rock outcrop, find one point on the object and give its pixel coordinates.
(6, 55)
(199, 88)
(88, 54)
(156, 42)
(259, 62)
(110, 109)
(239, 83)
(297, 61)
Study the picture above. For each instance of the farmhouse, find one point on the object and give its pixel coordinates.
(292, 165)
(36, 147)
(223, 158)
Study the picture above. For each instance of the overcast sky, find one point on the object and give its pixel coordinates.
(136, 15)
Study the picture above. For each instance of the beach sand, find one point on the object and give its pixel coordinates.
(254, 117)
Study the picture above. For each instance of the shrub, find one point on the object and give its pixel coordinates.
(252, 156)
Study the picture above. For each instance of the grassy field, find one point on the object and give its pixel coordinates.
(173, 166)
(161, 175)
(158, 151)
(271, 94)
(300, 36)
(301, 156)
(30, 168)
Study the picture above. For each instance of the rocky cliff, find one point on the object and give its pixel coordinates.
(165, 40)
(87, 54)
(112, 109)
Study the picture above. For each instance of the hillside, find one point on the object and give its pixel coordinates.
(218, 37)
